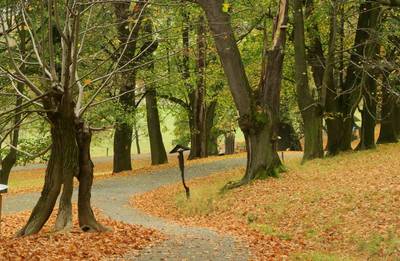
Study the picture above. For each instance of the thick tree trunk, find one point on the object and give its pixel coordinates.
(61, 168)
(368, 113)
(122, 148)
(255, 114)
(87, 220)
(311, 110)
(158, 153)
(388, 132)
(313, 144)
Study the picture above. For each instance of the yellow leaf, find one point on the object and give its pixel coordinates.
(225, 7)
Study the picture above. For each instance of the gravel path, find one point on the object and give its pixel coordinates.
(183, 243)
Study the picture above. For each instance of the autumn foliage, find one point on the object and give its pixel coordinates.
(124, 240)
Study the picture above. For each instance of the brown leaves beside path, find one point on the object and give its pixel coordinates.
(341, 208)
(125, 239)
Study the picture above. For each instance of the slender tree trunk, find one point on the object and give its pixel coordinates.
(158, 153)
(123, 130)
(11, 158)
(311, 110)
(197, 97)
(87, 220)
(230, 143)
(211, 134)
(137, 139)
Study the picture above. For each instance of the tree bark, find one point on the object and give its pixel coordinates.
(87, 219)
(352, 91)
(368, 113)
(230, 143)
(124, 130)
(311, 110)
(211, 133)
(255, 114)
(388, 132)
(122, 148)
(158, 153)
(61, 168)
(11, 158)
(197, 98)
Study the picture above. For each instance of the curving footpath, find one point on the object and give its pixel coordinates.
(183, 243)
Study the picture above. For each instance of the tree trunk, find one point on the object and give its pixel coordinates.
(388, 121)
(11, 158)
(311, 110)
(368, 113)
(158, 153)
(369, 13)
(61, 168)
(255, 114)
(211, 133)
(396, 116)
(197, 98)
(123, 130)
(230, 143)
(122, 148)
(87, 220)
(137, 139)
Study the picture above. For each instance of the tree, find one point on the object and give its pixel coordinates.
(157, 148)
(255, 110)
(311, 109)
(63, 98)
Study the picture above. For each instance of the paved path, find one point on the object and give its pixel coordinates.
(184, 243)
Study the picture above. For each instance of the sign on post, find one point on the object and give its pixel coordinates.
(180, 149)
(3, 189)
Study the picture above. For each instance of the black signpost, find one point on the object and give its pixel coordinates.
(180, 149)
(3, 189)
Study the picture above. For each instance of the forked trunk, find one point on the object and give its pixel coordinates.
(87, 219)
(62, 166)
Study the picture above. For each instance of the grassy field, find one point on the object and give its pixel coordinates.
(341, 208)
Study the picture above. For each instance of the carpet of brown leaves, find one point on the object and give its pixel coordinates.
(123, 240)
(341, 208)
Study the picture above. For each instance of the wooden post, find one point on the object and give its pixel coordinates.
(3, 188)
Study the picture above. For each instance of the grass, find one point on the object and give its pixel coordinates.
(338, 208)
